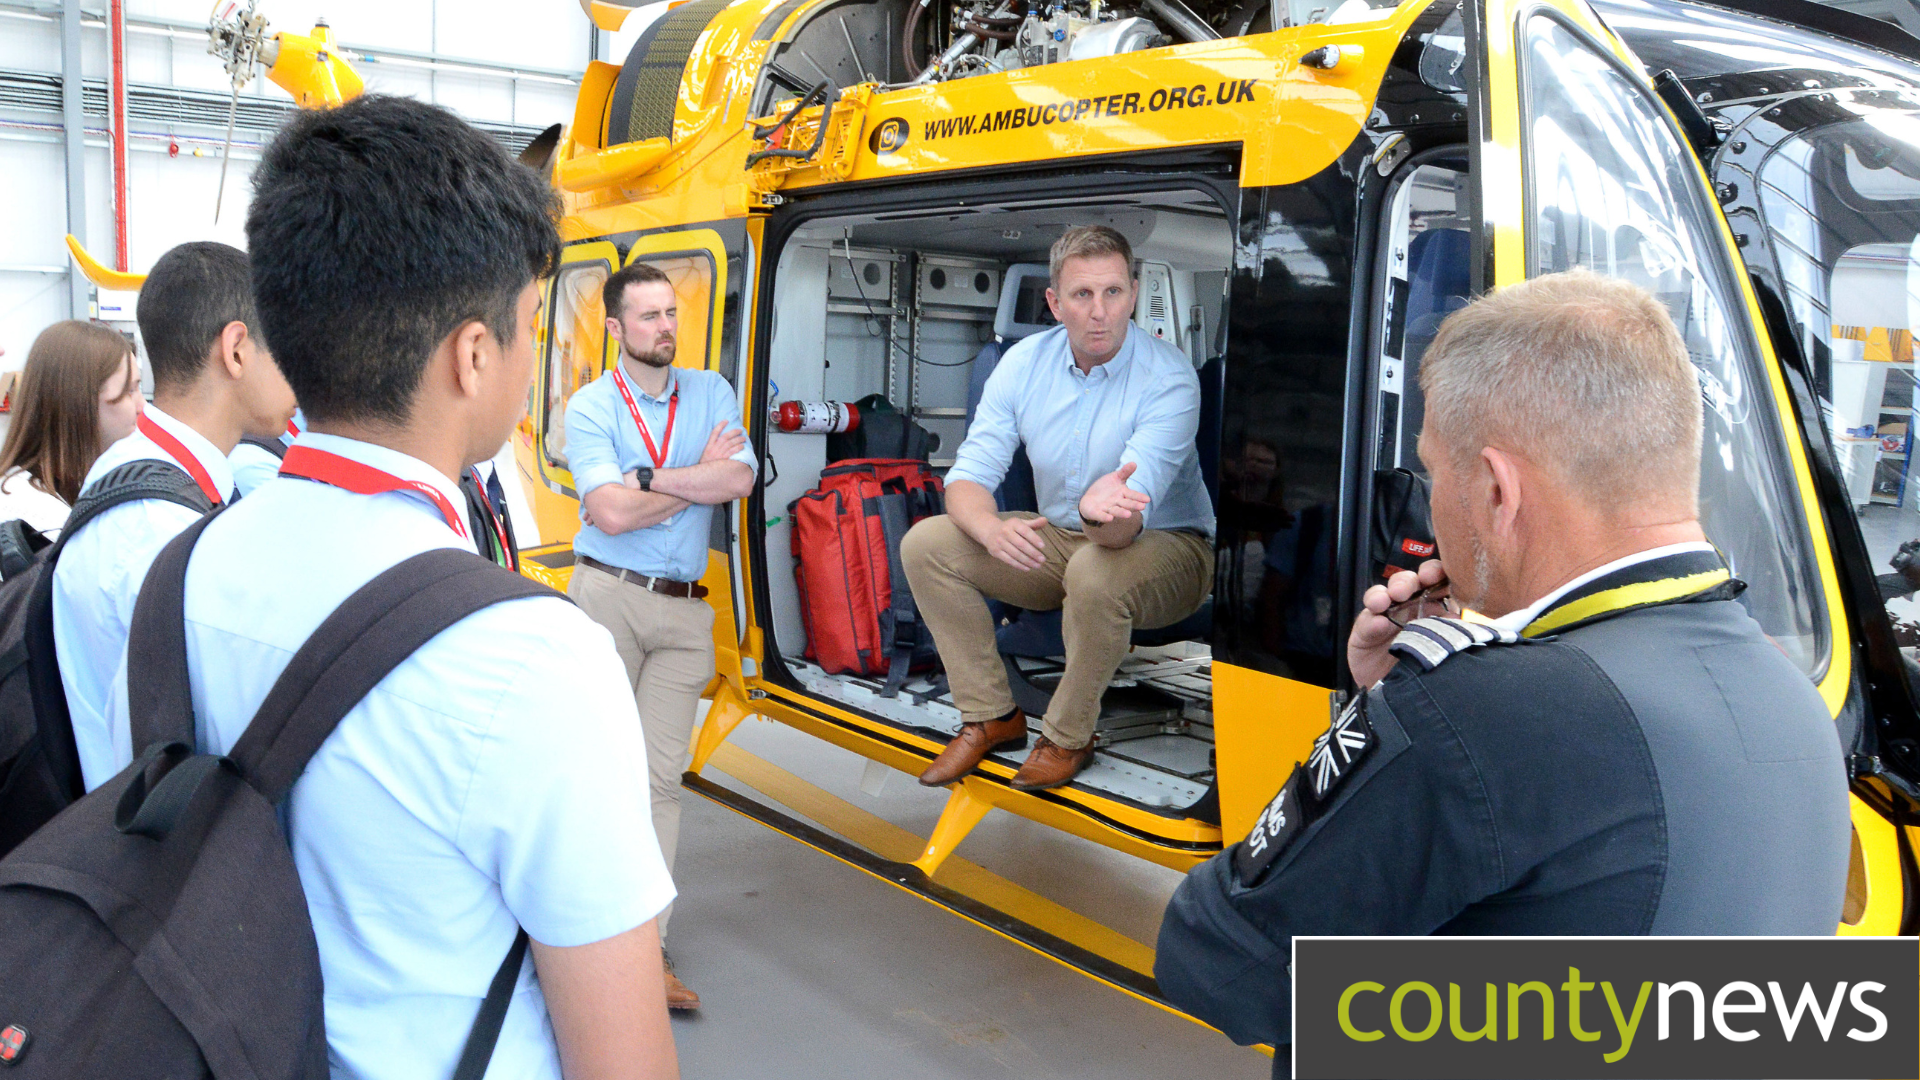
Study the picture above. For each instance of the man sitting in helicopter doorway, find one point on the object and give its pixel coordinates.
(1124, 537)
(653, 449)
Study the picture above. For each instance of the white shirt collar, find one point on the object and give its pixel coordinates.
(393, 463)
(219, 470)
(1516, 621)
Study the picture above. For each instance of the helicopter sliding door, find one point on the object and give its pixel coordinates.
(1580, 166)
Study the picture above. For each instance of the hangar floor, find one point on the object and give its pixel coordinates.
(810, 970)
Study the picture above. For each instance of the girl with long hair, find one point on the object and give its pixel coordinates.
(78, 394)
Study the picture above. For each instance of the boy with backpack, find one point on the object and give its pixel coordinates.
(213, 382)
(490, 788)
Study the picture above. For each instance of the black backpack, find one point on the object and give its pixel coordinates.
(884, 432)
(39, 764)
(157, 927)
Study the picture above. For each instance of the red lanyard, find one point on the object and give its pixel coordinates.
(180, 454)
(292, 430)
(508, 558)
(350, 475)
(658, 453)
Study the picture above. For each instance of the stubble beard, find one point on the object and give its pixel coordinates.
(659, 356)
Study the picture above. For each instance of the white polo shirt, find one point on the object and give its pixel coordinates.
(98, 579)
(495, 779)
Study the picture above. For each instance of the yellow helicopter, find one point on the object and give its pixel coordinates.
(857, 199)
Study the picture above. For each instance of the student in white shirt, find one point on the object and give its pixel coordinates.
(213, 381)
(498, 777)
(78, 394)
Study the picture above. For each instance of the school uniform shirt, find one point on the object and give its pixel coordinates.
(98, 579)
(253, 466)
(1142, 406)
(603, 444)
(494, 780)
(19, 499)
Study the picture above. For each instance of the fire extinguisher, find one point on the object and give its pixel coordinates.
(815, 417)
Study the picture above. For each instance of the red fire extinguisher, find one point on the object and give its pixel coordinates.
(815, 417)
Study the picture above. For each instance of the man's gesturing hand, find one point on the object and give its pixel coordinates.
(1110, 499)
(723, 444)
(1383, 611)
(1016, 542)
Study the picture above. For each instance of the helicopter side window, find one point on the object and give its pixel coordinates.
(582, 349)
(1612, 189)
(1842, 203)
(579, 343)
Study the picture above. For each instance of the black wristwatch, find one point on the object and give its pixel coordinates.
(645, 476)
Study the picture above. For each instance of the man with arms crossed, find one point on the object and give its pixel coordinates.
(1618, 750)
(1124, 537)
(491, 782)
(653, 449)
(213, 382)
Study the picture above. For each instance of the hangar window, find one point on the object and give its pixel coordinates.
(906, 312)
(1612, 189)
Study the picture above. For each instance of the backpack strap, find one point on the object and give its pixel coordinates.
(272, 446)
(905, 617)
(157, 647)
(493, 1014)
(136, 480)
(53, 723)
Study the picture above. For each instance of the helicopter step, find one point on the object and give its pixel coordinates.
(1152, 745)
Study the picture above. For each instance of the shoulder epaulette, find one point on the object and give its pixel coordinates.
(1428, 642)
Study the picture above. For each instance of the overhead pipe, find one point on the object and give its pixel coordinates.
(73, 122)
(117, 122)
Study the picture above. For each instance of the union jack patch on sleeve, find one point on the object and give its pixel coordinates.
(13, 1043)
(1336, 754)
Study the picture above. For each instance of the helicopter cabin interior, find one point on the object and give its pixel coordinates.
(916, 307)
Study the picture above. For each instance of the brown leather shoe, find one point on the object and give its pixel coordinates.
(678, 995)
(974, 743)
(1051, 765)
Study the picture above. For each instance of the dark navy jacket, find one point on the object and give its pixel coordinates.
(1661, 770)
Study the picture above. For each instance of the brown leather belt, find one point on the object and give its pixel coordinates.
(685, 590)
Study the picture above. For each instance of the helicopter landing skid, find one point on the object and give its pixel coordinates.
(886, 852)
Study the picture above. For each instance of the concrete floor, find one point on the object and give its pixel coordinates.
(811, 970)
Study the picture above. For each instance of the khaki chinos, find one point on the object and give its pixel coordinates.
(1104, 594)
(666, 643)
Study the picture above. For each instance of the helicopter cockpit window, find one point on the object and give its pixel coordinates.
(1842, 202)
(579, 345)
(1612, 189)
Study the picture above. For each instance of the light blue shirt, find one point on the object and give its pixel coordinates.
(253, 466)
(603, 444)
(497, 777)
(1141, 406)
(98, 579)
